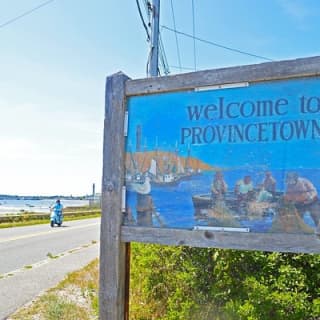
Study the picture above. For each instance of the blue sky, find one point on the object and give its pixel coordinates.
(54, 63)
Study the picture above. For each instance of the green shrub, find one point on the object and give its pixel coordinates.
(173, 283)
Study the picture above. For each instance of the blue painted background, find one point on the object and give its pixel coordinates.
(162, 116)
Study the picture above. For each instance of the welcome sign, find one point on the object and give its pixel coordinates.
(224, 158)
(240, 158)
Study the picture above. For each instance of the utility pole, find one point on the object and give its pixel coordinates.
(154, 50)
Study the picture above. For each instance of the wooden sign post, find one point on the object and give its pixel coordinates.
(112, 249)
(256, 126)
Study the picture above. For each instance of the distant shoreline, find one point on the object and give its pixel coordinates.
(35, 204)
(17, 197)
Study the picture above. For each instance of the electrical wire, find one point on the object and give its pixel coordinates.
(194, 35)
(176, 35)
(25, 13)
(216, 44)
(163, 57)
(148, 9)
(142, 20)
(162, 54)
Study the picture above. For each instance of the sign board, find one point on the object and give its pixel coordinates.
(238, 157)
(243, 158)
(224, 158)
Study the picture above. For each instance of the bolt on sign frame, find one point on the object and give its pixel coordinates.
(224, 158)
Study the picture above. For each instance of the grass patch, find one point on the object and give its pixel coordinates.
(32, 222)
(21, 223)
(57, 308)
(27, 267)
(75, 298)
(82, 208)
(51, 256)
(96, 215)
(53, 307)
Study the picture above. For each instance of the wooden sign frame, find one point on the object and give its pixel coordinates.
(115, 236)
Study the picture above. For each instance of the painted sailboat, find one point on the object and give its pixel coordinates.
(167, 168)
(161, 178)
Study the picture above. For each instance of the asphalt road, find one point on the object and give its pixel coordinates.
(35, 258)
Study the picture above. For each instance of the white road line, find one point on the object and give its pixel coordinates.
(48, 232)
(46, 261)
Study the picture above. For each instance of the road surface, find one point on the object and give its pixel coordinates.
(35, 258)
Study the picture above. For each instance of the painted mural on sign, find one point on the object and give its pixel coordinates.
(243, 157)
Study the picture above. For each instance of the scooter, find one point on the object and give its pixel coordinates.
(56, 218)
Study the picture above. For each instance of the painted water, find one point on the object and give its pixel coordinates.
(174, 207)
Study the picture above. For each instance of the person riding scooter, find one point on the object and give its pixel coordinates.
(56, 216)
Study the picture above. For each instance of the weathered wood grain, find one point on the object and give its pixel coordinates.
(303, 67)
(276, 242)
(112, 250)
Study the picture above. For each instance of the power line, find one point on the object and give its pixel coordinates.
(25, 13)
(194, 35)
(162, 54)
(142, 20)
(148, 8)
(176, 35)
(146, 4)
(163, 57)
(216, 44)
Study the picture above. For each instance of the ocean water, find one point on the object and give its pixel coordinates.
(43, 205)
(175, 207)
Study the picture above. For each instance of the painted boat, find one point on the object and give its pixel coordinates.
(172, 176)
(205, 201)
